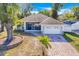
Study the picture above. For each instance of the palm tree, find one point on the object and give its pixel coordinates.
(55, 8)
(8, 16)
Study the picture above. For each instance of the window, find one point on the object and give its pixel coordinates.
(33, 26)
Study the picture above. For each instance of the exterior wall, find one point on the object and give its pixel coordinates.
(75, 27)
(66, 28)
(20, 27)
(51, 29)
(55, 29)
(24, 26)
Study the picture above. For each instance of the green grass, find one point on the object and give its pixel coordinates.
(73, 39)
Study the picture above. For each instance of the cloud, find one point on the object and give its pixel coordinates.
(34, 12)
(63, 11)
(48, 8)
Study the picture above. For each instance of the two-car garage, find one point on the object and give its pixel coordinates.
(52, 29)
(51, 26)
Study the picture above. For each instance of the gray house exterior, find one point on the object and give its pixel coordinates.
(44, 24)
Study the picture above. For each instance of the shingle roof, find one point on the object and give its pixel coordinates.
(35, 18)
(51, 21)
(43, 19)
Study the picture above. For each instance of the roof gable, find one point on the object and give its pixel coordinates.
(35, 18)
(51, 21)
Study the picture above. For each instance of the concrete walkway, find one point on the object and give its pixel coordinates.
(61, 47)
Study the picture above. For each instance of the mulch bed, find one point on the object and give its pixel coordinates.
(15, 42)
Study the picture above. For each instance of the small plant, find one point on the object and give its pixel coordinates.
(45, 40)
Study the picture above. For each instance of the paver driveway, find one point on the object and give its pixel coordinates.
(62, 47)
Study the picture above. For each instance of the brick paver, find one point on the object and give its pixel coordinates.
(60, 46)
(63, 49)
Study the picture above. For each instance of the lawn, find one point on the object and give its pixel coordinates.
(73, 39)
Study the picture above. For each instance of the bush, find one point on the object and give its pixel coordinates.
(45, 40)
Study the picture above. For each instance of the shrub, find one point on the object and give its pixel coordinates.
(45, 40)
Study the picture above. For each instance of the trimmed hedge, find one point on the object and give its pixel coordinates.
(67, 38)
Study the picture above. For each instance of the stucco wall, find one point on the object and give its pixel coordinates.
(66, 28)
(51, 29)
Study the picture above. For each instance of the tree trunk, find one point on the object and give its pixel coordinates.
(54, 14)
(2, 27)
(9, 30)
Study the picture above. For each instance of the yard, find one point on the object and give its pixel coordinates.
(29, 47)
(73, 39)
(32, 47)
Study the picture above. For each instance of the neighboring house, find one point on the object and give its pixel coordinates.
(75, 26)
(44, 24)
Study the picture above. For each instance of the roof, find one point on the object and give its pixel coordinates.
(70, 22)
(77, 23)
(51, 21)
(35, 18)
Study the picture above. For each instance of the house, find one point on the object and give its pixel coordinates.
(75, 26)
(32, 22)
(69, 25)
(51, 26)
(44, 24)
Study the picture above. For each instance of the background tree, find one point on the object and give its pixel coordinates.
(45, 12)
(55, 8)
(27, 10)
(76, 11)
(69, 16)
(8, 15)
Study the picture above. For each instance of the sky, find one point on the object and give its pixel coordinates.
(41, 6)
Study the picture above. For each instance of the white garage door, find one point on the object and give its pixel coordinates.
(52, 30)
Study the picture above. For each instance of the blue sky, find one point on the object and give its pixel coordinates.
(41, 6)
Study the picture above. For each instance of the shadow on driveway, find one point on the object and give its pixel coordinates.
(57, 38)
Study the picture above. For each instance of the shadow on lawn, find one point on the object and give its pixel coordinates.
(4, 48)
(67, 38)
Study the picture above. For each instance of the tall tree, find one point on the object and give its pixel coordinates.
(8, 16)
(76, 11)
(69, 16)
(55, 8)
(45, 12)
(27, 10)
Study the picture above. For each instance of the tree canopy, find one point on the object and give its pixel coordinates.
(75, 9)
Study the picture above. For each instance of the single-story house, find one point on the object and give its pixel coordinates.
(75, 26)
(44, 24)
